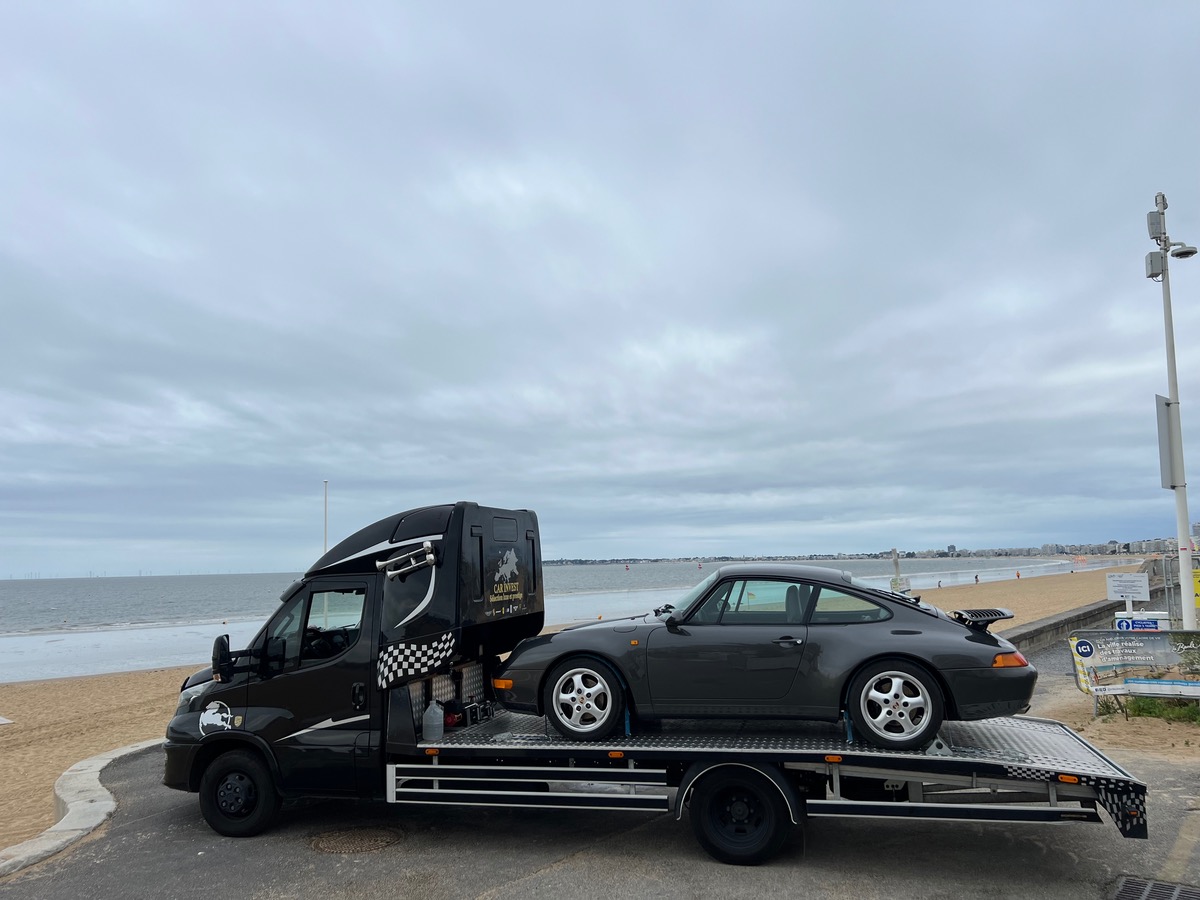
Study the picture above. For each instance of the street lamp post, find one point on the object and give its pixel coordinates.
(1173, 470)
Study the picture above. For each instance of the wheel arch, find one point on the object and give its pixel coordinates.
(949, 705)
(697, 770)
(226, 743)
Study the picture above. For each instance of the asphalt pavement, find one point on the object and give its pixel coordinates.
(157, 846)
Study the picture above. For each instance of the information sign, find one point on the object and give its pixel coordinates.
(1128, 586)
(1153, 664)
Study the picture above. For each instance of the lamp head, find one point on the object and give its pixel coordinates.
(1183, 252)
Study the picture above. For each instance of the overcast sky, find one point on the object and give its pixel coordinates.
(684, 278)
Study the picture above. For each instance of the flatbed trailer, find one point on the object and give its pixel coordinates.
(747, 783)
(340, 695)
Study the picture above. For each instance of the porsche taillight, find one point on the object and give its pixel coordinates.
(1013, 660)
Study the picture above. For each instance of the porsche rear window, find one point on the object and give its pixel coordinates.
(835, 608)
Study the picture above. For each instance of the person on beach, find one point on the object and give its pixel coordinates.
(1018, 574)
(939, 584)
(977, 579)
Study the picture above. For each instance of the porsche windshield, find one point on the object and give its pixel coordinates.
(690, 597)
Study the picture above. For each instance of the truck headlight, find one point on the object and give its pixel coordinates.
(187, 695)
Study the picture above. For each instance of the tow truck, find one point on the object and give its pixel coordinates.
(372, 681)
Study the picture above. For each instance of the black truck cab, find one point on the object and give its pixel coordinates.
(411, 609)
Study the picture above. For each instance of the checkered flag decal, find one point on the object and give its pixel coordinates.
(403, 661)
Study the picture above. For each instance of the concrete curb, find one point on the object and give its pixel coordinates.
(82, 803)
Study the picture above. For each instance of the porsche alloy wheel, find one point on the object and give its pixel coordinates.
(584, 700)
(896, 705)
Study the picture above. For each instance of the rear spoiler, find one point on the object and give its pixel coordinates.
(980, 619)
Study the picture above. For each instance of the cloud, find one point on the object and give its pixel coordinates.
(685, 279)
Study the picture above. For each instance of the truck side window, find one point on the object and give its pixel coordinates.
(287, 624)
(333, 624)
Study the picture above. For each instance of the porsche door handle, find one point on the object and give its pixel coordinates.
(786, 641)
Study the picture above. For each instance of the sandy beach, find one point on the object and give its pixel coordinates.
(59, 722)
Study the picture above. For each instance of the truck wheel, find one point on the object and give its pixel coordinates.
(895, 704)
(584, 700)
(237, 796)
(739, 816)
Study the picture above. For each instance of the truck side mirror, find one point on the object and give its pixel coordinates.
(222, 662)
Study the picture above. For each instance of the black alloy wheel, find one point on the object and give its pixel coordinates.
(237, 796)
(739, 816)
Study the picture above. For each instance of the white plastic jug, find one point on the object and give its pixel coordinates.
(433, 723)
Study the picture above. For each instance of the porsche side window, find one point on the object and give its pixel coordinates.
(762, 603)
(709, 612)
(835, 608)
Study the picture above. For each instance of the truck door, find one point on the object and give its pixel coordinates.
(315, 700)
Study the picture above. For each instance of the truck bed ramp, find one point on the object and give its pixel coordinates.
(1019, 768)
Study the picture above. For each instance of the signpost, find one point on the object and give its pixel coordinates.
(1128, 586)
(1143, 620)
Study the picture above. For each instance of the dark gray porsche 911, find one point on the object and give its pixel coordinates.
(775, 641)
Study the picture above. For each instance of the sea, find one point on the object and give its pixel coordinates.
(62, 627)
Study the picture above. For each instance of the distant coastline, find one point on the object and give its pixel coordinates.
(924, 555)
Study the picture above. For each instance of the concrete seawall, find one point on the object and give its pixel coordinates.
(1044, 632)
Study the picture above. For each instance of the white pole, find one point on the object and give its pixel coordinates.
(1187, 594)
(326, 550)
(1156, 224)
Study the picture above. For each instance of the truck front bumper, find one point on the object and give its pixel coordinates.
(177, 772)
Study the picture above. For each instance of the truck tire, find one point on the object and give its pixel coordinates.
(739, 816)
(895, 704)
(584, 700)
(237, 795)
